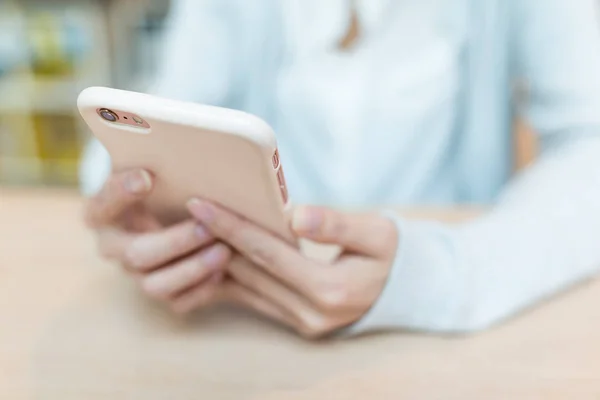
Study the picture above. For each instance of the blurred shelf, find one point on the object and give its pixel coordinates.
(50, 50)
(34, 94)
(36, 171)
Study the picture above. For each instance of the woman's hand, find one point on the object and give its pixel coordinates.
(275, 279)
(181, 264)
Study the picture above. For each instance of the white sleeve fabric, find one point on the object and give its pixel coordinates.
(543, 234)
(94, 168)
(199, 50)
(197, 63)
(541, 237)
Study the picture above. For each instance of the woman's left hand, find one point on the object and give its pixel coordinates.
(275, 279)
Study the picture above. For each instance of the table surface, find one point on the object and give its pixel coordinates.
(72, 327)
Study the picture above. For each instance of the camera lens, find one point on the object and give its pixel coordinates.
(108, 115)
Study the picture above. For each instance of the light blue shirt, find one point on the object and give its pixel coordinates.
(419, 111)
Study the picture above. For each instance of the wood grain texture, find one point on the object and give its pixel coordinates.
(72, 327)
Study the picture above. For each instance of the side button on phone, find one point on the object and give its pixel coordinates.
(282, 185)
(275, 159)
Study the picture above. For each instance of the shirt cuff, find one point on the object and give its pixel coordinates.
(94, 169)
(425, 289)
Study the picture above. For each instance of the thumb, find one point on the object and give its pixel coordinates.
(121, 191)
(365, 233)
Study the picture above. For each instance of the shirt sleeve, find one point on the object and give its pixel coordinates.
(197, 63)
(542, 234)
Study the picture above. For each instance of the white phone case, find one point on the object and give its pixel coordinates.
(226, 156)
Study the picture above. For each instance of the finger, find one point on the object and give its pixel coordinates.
(317, 326)
(119, 192)
(147, 251)
(253, 278)
(365, 233)
(112, 243)
(138, 219)
(274, 255)
(150, 250)
(173, 279)
(246, 298)
(198, 296)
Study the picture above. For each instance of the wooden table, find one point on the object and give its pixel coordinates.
(72, 327)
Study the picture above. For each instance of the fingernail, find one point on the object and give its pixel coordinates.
(138, 182)
(202, 210)
(201, 232)
(306, 220)
(213, 257)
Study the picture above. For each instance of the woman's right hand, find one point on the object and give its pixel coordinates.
(181, 265)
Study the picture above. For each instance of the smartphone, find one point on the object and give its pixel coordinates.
(193, 150)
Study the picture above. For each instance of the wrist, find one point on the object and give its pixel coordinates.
(424, 290)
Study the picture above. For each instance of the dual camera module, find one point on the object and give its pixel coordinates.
(125, 118)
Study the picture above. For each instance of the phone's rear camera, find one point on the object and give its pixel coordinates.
(108, 115)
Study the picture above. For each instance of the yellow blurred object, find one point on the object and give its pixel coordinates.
(44, 30)
(58, 146)
(16, 135)
(49, 51)
(18, 149)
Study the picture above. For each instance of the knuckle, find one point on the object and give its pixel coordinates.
(333, 299)
(134, 257)
(332, 292)
(153, 288)
(314, 327)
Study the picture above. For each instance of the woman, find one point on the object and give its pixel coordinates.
(376, 103)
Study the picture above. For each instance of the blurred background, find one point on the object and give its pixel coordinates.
(49, 51)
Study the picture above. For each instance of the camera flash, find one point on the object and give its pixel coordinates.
(138, 120)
